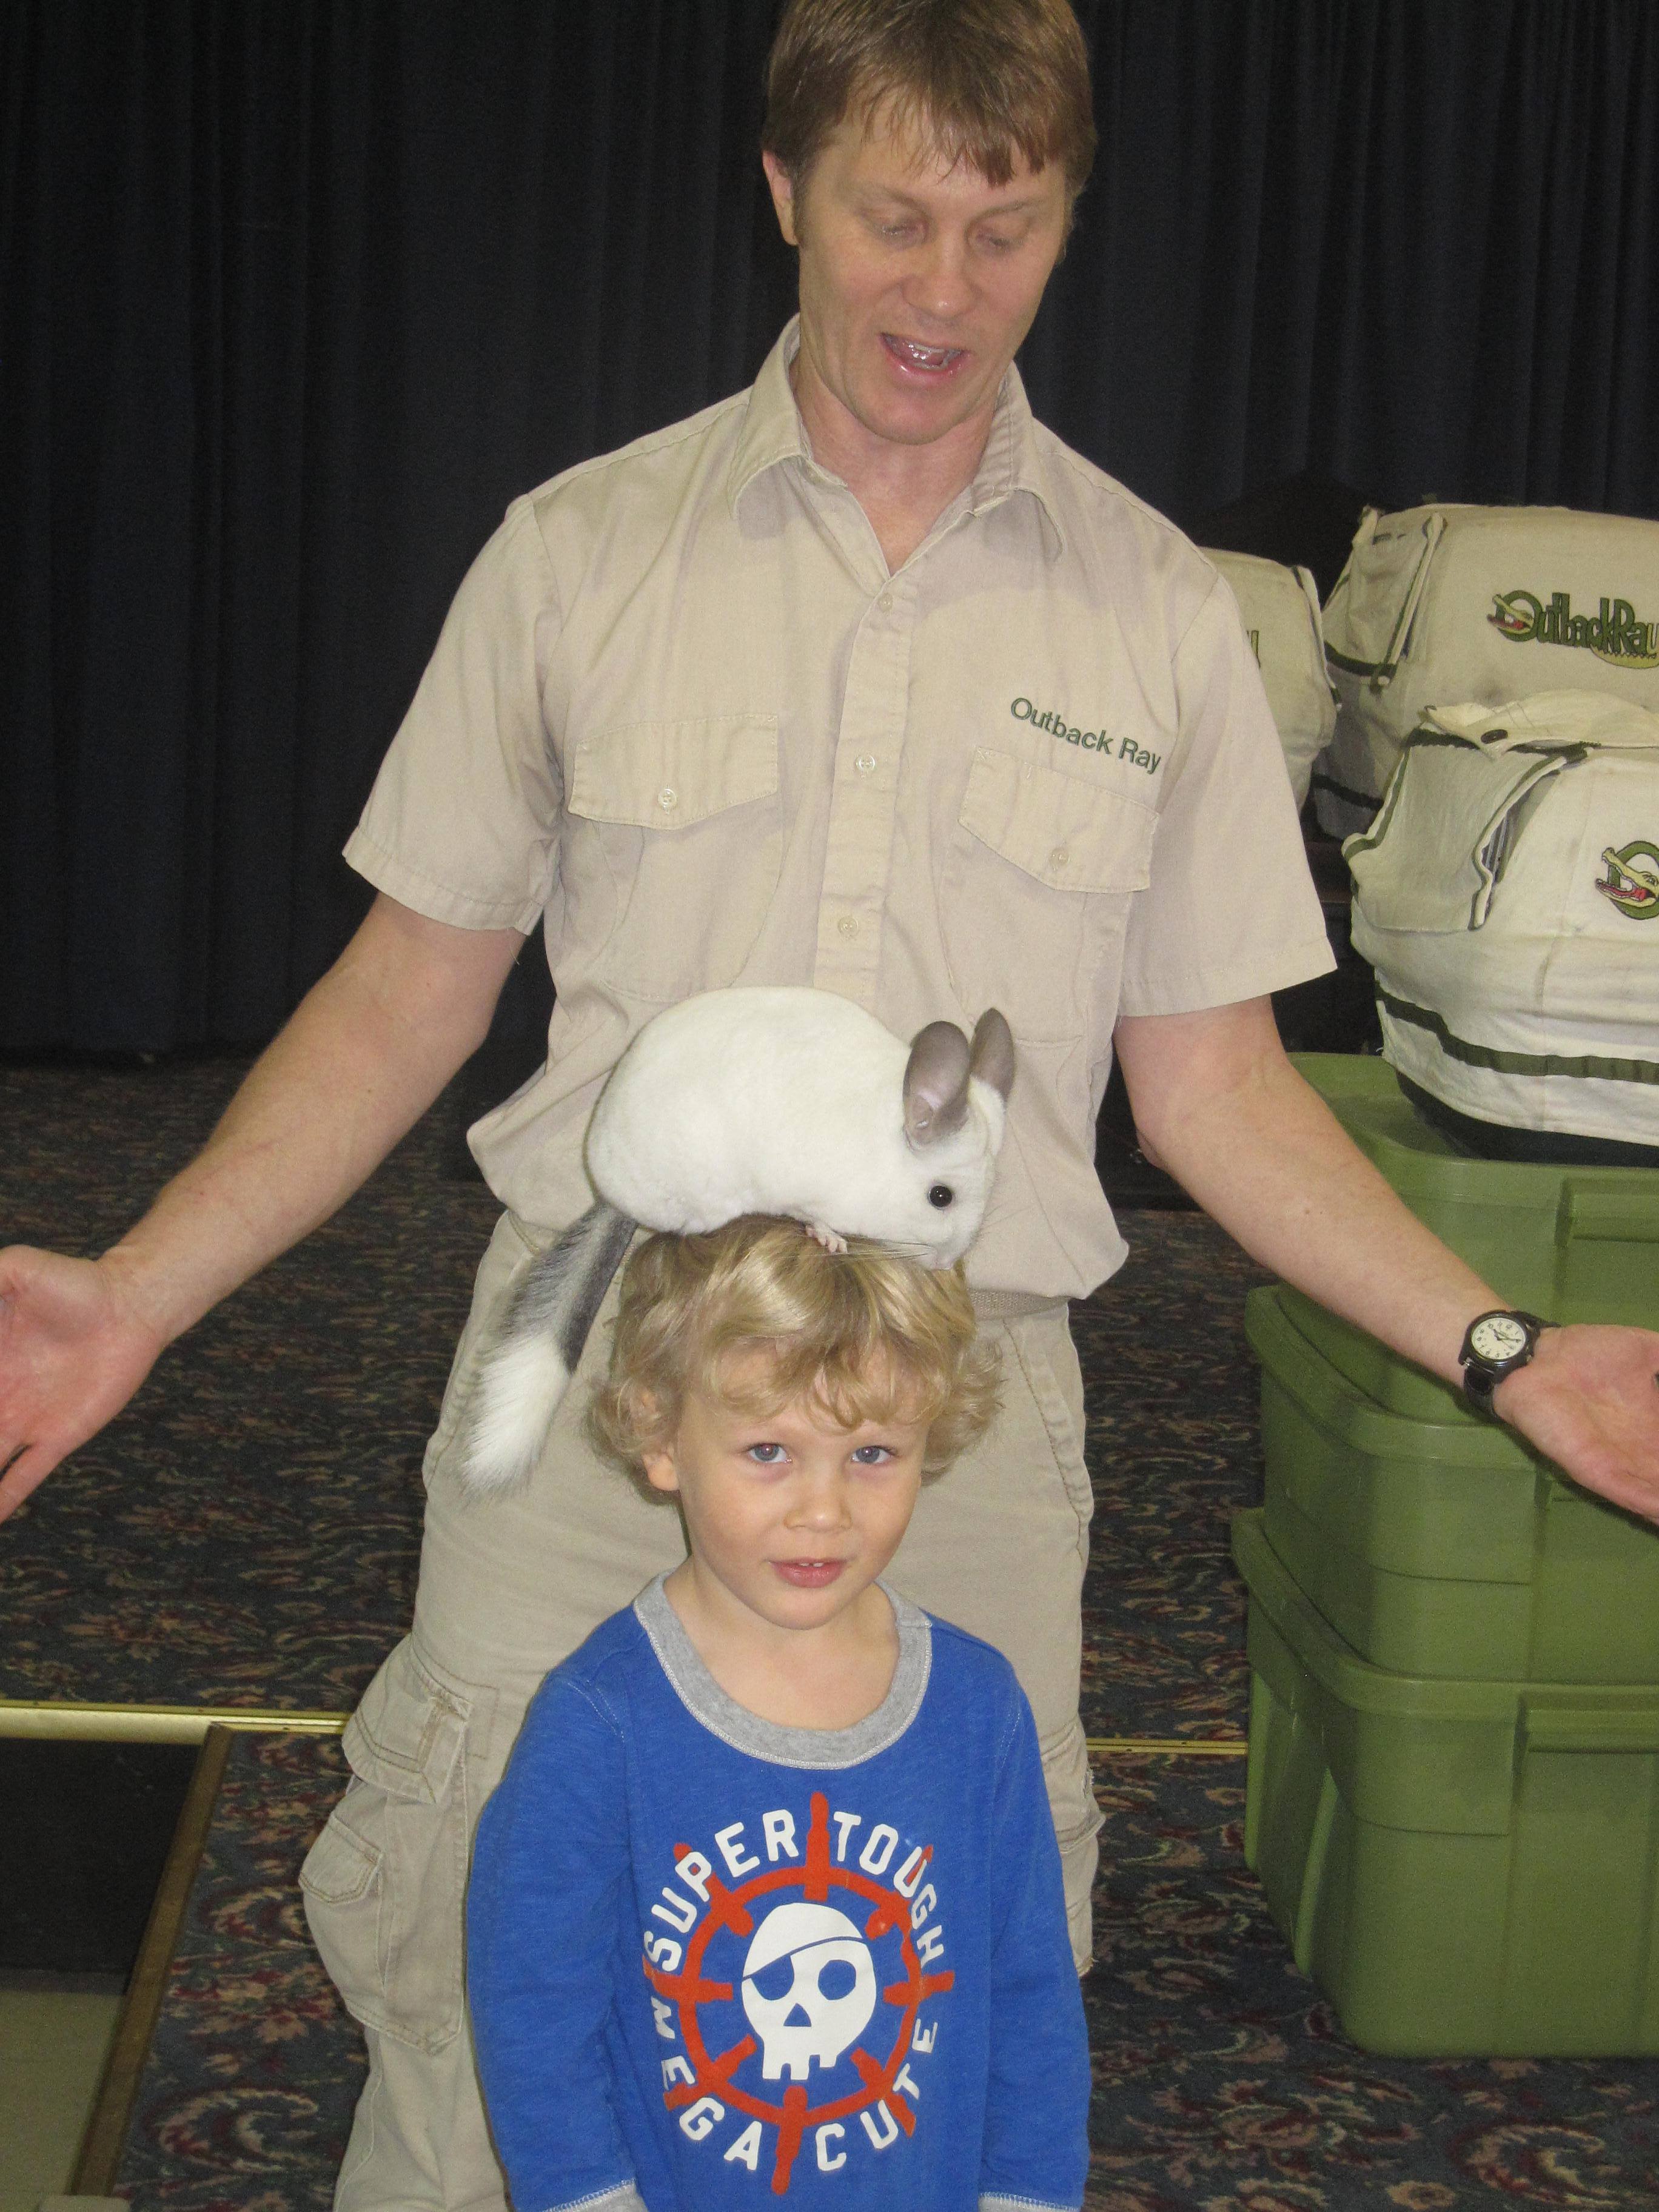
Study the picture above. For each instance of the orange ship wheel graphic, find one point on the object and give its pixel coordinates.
(887, 1912)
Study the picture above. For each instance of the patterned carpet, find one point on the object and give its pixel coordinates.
(246, 1534)
(1222, 2082)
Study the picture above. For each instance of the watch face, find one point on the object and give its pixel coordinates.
(1497, 1338)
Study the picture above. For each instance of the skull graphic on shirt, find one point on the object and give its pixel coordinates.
(808, 1988)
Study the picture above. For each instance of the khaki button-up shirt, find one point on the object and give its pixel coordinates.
(682, 716)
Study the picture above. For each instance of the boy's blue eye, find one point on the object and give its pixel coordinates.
(871, 1455)
(767, 1455)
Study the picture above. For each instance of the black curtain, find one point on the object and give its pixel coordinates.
(295, 295)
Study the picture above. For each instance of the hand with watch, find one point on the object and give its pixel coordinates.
(1586, 1400)
(1495, 1344)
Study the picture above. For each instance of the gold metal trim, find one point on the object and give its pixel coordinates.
(1173, 1746)
(95, 1724)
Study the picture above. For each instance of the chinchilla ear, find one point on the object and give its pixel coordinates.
(992, 1058)
(935, 1084)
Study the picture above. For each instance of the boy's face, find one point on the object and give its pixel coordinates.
(790, 1516)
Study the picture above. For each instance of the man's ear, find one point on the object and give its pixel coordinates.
(783, 197)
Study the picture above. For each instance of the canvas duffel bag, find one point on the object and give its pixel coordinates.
(1444, 605)
(1507, 898)
(1280, 607)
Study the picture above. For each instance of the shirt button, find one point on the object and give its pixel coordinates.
(848, 926)
(668, 798)
(866, 763)
(1059, 857)
(885, 603)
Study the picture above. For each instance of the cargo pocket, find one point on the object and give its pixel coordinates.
(1035, 892)
(1059, 1409)
(685, 821)
(386, 1881)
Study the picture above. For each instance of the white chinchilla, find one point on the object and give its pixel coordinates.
(790, 1102)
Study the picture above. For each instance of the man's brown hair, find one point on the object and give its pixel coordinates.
(979, 81)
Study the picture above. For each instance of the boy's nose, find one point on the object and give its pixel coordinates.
(820, 1506)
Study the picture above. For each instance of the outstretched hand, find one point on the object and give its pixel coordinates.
(72, 1353)
(1589, 1400)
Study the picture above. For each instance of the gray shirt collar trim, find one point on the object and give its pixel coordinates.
(723, 1716)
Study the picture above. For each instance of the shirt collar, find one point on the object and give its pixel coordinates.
(773, 433)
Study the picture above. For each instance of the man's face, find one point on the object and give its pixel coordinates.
(918, 282)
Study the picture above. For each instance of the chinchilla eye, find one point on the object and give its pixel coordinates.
(941, 1195)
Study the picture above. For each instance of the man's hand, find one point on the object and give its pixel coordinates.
(1589, 1399)
(1218, 1105)
(72, 1353)
(368, 1051)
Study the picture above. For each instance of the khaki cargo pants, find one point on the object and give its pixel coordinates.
(509, 1587)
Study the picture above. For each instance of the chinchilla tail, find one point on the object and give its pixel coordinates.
(524, 1373)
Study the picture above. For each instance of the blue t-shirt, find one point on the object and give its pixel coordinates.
(712, 1961)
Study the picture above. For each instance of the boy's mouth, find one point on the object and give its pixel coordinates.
(809, 1574)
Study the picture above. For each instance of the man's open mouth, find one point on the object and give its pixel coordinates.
(912, 355)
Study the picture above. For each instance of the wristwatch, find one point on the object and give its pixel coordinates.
(1494, 1345)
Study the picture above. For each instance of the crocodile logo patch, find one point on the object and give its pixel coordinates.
(1632, 881)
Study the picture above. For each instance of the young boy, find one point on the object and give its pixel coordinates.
(767, 1902)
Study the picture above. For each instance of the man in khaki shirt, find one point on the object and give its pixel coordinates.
(860, 679)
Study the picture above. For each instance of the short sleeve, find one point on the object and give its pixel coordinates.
(1230, 912)
(462, 823)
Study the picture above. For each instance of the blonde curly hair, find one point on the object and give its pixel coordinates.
(864, 1335)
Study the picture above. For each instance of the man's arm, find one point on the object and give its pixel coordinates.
(367, 1051)
(1218, 1105)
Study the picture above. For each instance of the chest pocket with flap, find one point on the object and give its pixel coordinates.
(673, 850)
(1035, 892)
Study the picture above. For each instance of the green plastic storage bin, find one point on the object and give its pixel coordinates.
(1466, 1868)
(1445, 1548)
(1571, 1243)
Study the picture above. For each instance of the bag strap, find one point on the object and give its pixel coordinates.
(1493, 847)
(1433, 530)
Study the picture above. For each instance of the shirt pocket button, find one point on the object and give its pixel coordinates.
(668, 799)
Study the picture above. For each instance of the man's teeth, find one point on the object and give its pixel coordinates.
(927, 356)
